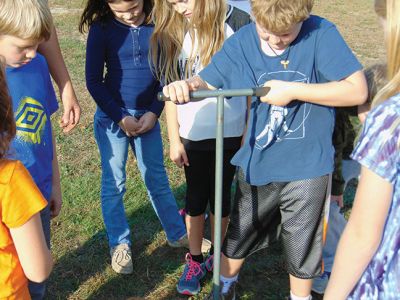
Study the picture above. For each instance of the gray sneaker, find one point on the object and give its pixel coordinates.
(183, 242)
(230, 295)
(205, 246)
(121, 259)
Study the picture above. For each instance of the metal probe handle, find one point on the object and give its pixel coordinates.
(220, 94)
(199, 95)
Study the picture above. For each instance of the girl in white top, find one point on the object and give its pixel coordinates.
(186, 35)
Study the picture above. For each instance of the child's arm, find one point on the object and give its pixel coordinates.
(94, 73)
(347, 92)
(56, 196)
(362, 234)
(72, 111)
(177, 151)
(33, 254)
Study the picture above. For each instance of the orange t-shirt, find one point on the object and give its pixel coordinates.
(20, 199)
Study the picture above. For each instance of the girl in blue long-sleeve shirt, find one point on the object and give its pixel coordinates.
(127, 115)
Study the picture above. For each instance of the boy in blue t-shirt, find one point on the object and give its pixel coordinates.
(287, 154)
(23, 25)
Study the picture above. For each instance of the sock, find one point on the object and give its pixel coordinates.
(227, 282)
(294, 297)
(198, 258)
(211, 252)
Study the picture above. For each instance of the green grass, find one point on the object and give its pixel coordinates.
(79, 242)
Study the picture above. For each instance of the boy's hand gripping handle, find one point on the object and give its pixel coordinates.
(200, 95)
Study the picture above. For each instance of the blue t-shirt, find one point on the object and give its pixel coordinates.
(34, 101)
(294, 142)
(378, 150)
(128, 81)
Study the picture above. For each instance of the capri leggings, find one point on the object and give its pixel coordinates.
(200, 180)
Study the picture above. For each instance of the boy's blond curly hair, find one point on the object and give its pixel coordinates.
(26, 19)
(278, 16)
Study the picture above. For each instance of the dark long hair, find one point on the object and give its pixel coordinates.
(7, 122)
(98, 10)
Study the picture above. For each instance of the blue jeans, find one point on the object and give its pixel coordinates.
(113, 146)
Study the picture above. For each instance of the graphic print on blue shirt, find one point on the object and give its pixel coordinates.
(34, 101)
(294, 142)
(278, 126)
(30, 120)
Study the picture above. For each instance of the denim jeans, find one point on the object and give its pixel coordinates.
(336, 224)
(113, 146)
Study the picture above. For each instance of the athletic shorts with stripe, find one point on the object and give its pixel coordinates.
(293, 211)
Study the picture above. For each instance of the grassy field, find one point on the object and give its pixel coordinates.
(79, 242)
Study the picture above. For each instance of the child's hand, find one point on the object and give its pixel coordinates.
(178, 91)
(146, 122)
(129, 125)
(72, 110)
(178, 155)
(362, 111)
(338, 199)
(55, 201)
(281, 93)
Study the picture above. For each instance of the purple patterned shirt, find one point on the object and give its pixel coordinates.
(378, 150)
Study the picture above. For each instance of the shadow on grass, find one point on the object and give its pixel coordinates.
(154, 274)
(85, 272)
(88, 266)
(263, 275)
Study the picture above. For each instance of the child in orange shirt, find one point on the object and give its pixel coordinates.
(23, 250)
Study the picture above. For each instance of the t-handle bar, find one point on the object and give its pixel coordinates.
(220, 94)
(199, 95)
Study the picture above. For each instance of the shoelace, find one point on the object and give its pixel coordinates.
(194, 267)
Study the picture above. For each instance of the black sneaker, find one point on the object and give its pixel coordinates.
(230, 295)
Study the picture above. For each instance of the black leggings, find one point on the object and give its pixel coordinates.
(200, 180)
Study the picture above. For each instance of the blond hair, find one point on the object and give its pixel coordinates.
(26, 19)
(208, 17)
(390, 11)
(278, 16)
